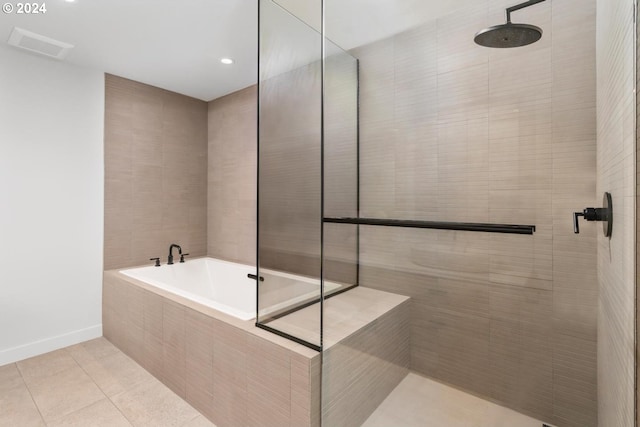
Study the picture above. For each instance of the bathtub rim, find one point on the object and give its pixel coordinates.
(266, 312)
(241, 315)
(245, 325)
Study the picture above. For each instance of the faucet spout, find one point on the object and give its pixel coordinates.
(170, 257)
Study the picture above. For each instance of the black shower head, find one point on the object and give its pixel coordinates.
(510, 34)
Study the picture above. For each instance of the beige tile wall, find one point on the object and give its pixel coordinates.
(574, 269)
(290, 203)
(290, 175)
(454, 132)
(155, 173)
(617, 175)
(231, 212)
(637, 397)
(232, 175)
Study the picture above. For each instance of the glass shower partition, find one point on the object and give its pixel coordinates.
(289, 176)
(341, 170)
(307, 170)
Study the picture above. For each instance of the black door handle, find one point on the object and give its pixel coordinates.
(604, 214)
(576, 224)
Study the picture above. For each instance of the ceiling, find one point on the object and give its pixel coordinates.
(177, 45)
(353, 23)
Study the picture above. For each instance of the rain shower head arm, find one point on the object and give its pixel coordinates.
(520, 6)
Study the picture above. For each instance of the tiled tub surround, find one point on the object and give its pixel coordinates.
(232, 372)
(238, 375)
(155, 144)
(231, 210)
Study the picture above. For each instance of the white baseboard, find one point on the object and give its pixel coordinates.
(36, 348)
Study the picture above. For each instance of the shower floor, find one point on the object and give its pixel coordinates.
(420, 402)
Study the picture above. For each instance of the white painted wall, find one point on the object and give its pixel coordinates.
(51, 204)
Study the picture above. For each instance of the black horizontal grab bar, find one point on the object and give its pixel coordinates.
(439, 225)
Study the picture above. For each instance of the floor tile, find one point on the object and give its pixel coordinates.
(420, 402)
(18, 408)
(100, 414)
(116, 373)
(153, 404)
(9, 377)
(46, 365)
(55, 389)
(199, 421)
(92, 351)
(63, 393)
(497, 416)
(72, 386)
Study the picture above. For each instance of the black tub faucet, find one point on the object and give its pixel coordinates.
(170, 257)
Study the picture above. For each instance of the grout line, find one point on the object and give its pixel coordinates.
(30, 394)
(64, 370)
(100, 388)
(192, 419)
(88, 376)
(108, 398)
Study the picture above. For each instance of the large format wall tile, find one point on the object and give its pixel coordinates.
(155, 173)
(637, 213)
(231, 211)
(499, 136)
(616, 160)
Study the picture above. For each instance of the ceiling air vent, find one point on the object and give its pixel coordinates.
(39, 44)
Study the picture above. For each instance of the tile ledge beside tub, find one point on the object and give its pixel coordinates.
(239, 375)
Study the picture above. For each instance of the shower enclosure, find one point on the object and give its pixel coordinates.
(426, 187)
(308, 148)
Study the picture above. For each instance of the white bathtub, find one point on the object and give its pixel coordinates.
(224, 285)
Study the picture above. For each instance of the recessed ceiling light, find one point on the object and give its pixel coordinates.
(227, 61)
(70, 1)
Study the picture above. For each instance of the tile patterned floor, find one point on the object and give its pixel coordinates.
(421, 402)
(95, 384)
(89, 384)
